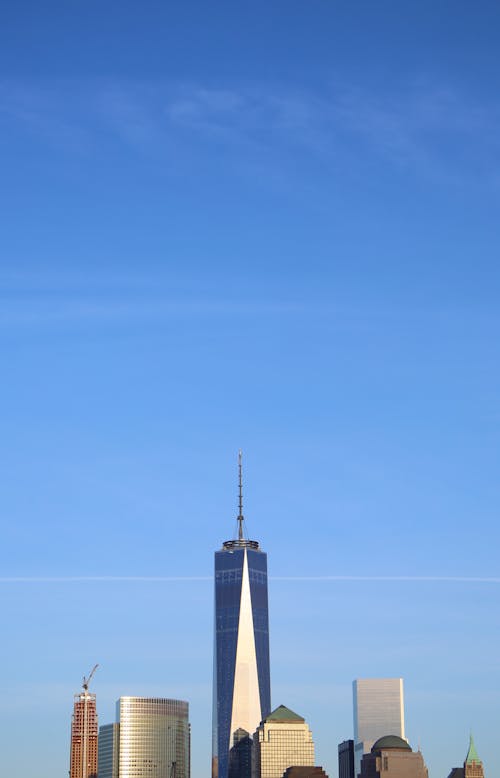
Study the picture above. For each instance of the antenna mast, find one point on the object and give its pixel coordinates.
(240, 498)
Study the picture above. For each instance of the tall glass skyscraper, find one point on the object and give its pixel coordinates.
(242, 693)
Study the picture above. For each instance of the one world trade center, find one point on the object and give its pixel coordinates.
(242, 696)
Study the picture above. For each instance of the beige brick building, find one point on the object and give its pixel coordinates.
(282, 740)
(392, 757)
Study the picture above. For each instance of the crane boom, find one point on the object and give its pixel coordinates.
(86, 681)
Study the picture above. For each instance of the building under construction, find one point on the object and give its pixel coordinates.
(84, 729)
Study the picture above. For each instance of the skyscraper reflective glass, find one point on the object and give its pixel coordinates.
(242, 695)
(151, 739)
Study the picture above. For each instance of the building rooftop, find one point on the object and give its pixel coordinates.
(282, 713)
(231, 545)
(391, 741)
(304, 772)
(472, 753)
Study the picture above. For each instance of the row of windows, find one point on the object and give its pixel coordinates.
(229, 576)
(257, 576)
(234, 575)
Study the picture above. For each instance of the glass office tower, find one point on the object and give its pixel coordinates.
(242, 694)
(108, 750)
(150, 740)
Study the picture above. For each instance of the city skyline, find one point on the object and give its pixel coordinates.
(362, 688)
(267, 226)
(377, 703)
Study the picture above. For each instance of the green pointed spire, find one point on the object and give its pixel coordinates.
(281, 713)
(472, 753)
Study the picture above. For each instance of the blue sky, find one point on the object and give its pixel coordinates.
(268, 226)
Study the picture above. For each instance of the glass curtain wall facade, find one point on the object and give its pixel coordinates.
(108, 751)
(154, 738)
(242, 695)
(346, 759)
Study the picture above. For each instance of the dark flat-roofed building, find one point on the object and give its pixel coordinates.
(240, 755)
(346, 759)
(299, 771)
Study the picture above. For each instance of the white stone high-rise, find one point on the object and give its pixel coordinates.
(282, 740)
(378, 705)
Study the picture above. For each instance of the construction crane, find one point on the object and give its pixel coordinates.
(86, 681)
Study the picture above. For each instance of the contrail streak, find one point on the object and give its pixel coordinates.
(311, 578)
(102, 578)
(382, 578)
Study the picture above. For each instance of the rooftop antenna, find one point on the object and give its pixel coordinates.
(240, 498)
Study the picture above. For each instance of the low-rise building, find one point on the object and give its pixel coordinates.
(392, 757)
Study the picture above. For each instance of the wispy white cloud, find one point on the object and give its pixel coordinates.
(210, 108)
(50, 114)
(259, 116)
(133, 112)
(424, 127)
(416, 127)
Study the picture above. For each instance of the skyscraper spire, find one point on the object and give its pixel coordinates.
(242, 693)
(240, 497)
